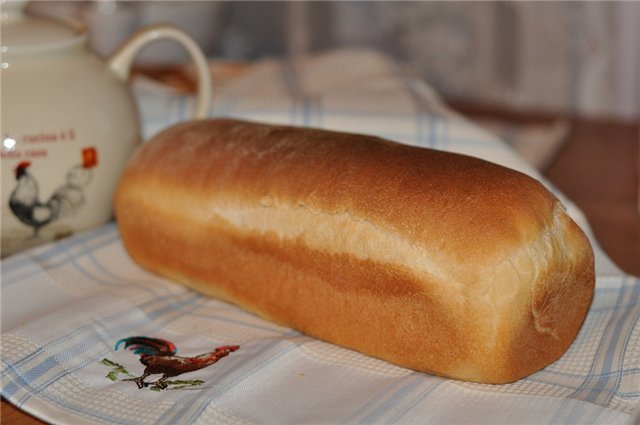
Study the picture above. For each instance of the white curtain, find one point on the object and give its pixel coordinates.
(574, 57)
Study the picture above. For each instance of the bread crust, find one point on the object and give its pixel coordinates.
(434, 261)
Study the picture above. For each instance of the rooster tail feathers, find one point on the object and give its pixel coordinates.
(145, 345)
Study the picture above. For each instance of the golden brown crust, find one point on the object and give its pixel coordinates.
(438, 262)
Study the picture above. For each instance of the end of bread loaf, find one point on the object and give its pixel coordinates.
(434, 261)
(536, 300)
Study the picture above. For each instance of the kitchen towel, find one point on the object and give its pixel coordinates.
(68, 307)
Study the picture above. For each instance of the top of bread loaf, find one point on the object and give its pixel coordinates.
(455, 207)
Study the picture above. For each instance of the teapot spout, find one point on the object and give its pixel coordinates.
(121, 61)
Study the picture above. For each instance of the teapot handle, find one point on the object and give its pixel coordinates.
(121, 61)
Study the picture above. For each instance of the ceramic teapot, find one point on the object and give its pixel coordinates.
(69, 124)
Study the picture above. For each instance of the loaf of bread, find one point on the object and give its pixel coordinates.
(433, 261)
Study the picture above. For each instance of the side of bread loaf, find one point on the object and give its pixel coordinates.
(434, 261)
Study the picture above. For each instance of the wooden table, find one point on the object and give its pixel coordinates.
(598, 169)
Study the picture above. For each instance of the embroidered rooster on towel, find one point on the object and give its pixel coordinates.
(158, 355)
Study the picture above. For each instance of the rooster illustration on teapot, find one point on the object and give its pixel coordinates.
(25, 202)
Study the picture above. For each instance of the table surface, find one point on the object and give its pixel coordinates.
(598, 168)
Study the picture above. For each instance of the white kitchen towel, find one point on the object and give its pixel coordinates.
(65, 306)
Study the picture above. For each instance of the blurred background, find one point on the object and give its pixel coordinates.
(559, 81)
(569, 57)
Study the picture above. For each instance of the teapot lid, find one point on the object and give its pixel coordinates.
(21, 32)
